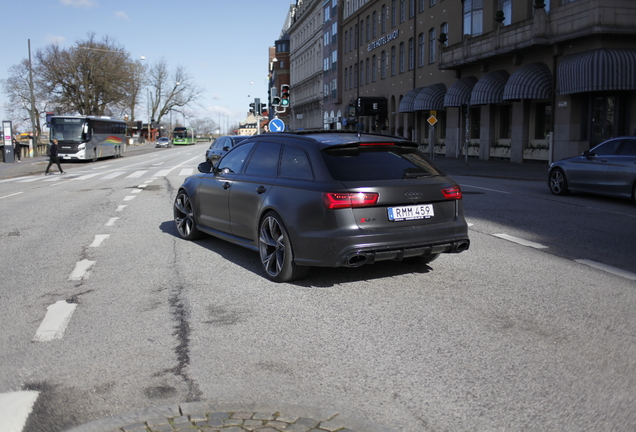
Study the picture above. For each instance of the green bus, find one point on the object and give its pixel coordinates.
(184, 136)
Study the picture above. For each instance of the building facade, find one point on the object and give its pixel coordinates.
(306, 70)
(523, 80)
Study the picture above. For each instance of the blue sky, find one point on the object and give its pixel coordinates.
(223, 44)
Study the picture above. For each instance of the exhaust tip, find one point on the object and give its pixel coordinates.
(460, 246)
(356, 260)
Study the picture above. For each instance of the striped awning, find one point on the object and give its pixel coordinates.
(430, 98)
(406, 104)
(532, 81)
(489, 89)
(459, 93)
(597, 70)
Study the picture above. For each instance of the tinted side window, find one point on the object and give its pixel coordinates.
(607, 149)
(629, 148)
(295, 164)
(220, 143)
(264, 160)
(234, 160)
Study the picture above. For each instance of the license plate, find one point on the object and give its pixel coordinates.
(411, 212)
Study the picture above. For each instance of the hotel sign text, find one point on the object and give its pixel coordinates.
(383, 40)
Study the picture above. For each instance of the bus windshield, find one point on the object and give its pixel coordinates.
(70, 130)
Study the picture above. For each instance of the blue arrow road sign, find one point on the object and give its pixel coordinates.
(276, 125)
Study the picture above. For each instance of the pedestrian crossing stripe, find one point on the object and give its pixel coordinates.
(184, 172)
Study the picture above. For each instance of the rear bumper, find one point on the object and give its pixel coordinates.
(353, 248)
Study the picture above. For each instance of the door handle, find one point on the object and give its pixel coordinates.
(261, 189)
(226, 185)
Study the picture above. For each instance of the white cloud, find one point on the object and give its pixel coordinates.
(216, 97)
(123, 15)
(52, 39)
(80, 4)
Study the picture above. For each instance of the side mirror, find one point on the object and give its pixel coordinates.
(587, 154)
(226, 148)
(205, 167)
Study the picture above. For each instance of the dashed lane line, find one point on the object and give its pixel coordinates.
(521, 241)
(55, 321)
(609, 269)
(81, 270)
(15, 408)
(99, 239)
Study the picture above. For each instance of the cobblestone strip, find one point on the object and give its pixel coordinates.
(211, 417)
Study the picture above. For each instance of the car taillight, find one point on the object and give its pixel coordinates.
(335, 200)
(453, 192)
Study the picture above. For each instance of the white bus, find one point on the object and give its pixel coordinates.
(88, 137)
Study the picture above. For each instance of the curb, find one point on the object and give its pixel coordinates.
(231, 417)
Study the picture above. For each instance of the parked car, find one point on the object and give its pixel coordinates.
(164, 142)
(324, 199)
(607, 169)
(222, 145)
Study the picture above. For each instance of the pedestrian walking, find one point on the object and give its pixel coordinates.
(54, 159)
(17, 150)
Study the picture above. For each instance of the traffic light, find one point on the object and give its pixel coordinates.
(284, 95)
(257, 106)
(275, 101)
(263, 108)
(252, 108)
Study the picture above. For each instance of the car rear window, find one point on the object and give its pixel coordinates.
(377, 164)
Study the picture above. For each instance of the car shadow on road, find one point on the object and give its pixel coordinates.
(318, 277)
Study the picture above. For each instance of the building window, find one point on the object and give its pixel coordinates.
(542, 120)
(350, 77)
(431, 45)
(431, 3)
(334, 33)
(393, 13)
(334, 60)
(327, 13)
(421, 61)
(411, 54)
(506, 7)
(355, 78)
(401, 57)
(505, 121)
(411, 8)
(325, 64)
(334, 88)
(393, 60)
(402, 11)
(421, 8)
(346, 79)
(367, 72)
(351, 46)
(346, 42)
(374, 64)
(383, 19)
(326, 39)
(473, 17)
(475, 123)
(373, 27)
(444, 29)
(361, 73)
(368, 29)
(383, 65)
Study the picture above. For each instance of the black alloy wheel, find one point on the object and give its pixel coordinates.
(184, 217)
(276, 252)
(558, 183)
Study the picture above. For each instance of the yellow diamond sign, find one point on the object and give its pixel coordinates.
(432, 120)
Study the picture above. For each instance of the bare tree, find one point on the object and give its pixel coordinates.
(204, 126)
(174, 91)
(90, 78)
(16, 87)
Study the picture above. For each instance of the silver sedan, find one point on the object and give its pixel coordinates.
(607, 169)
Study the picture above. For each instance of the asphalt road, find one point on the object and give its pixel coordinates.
(530, 329)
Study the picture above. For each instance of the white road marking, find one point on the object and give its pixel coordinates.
(483, 188)
(129, 198)
(81, 270)
(137, 174)
(121, 208)
(99, 239)
(113, 175)
(142, 186)
(521, 241)
(55, 321)
(186, 172)
(15, 408)
(157, 164)
(609, 269)
(136, 190)
(13, 194)
(111, 221)
(87, 176)
(29, 179)
(164, 173)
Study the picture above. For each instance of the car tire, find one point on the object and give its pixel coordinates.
(276, 252)
(558, 183)
(184, 217)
